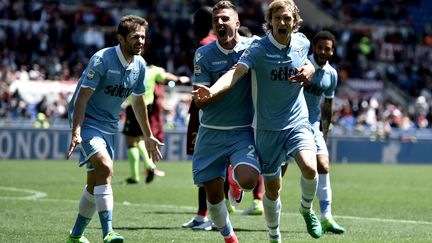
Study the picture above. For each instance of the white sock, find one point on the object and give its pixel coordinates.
(218, 213)
(309, 188)
(272, 212)
(104, 199)
(87, 206)
(324, 194)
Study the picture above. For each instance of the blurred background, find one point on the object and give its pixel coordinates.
(383, 57)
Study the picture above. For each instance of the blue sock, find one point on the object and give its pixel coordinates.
(325, 206)
(80, 225)
(106, 222)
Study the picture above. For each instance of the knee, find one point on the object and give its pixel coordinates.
(323, 169)
(247, 177)
(213, 198)
(308, 167)
(323, 165)
(309, 172)
(272, 193)
(248, 184)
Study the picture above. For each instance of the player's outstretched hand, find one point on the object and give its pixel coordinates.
(201, 93)
(303, 74)
(76, 139)
(152, 146)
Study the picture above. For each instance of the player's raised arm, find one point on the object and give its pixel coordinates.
(224, 83)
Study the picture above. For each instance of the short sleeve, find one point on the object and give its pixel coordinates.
(201, 75)
(249, 56)
(94, 72)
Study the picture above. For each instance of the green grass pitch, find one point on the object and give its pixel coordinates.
(375, 203)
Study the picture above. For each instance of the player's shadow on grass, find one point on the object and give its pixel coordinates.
(180, 228)
(259, 230)
(131, 228)
(136, 228)
(147, 228)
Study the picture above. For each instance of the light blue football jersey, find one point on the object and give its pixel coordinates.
(279, 104)
(235, 108)
(324, 81)
(112, 80)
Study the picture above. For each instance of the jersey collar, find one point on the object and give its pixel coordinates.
(122, 58)
(236, 48)
(223, 50)
(277, 44)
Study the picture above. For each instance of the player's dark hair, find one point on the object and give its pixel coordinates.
(202, 21)
(130, 23)
(324, 35)
(245, 31)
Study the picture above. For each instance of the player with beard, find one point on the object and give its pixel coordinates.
(225, 136)
(281, 121)
(323, 83)
(112, 75)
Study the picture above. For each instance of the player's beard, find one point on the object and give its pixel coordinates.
(320, 60)
(137, 49)
(134, 49)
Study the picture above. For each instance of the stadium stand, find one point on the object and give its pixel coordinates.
(383, 56)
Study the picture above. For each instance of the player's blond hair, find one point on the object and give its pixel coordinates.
(224, 5)
(275, 6)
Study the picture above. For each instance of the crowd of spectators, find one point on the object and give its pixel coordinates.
(52, 41)
(384, 41)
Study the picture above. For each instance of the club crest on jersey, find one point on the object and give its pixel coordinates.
(90, 74)
(300, 51)
(135, 74)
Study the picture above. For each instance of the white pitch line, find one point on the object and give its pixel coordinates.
(125, 203)
(385, 220)
(39, 196)
(34, 194)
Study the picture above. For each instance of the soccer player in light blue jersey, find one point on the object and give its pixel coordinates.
(323, 83)
(111, 76)
(225, 135)
(281, 121)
